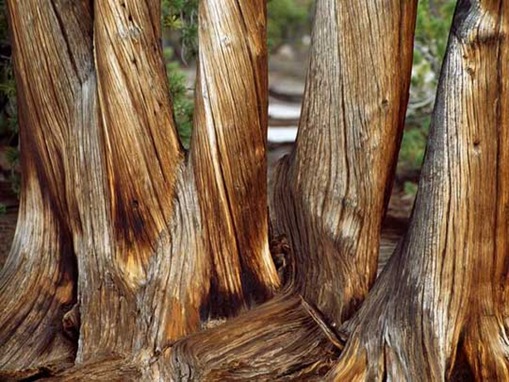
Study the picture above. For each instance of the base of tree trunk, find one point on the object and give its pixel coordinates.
(37, 289)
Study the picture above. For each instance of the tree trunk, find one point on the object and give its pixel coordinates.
(331, 192)
(131, 256)
(117, 227)
(438, 311)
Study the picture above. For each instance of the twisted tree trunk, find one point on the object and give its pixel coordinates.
(130, 252)
(111, 207)
(439, 311)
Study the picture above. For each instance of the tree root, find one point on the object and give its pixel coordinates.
(110, 369)
(284, 339)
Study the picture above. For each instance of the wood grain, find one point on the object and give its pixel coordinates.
(438, 308)
(132, 257)
(228, 151)
(331, 192)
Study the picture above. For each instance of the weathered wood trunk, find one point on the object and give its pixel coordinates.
(438, 311)
(131, 252)
(332, 190)
(115, 219)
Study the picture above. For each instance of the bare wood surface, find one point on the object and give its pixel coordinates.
(297, 345)
(144, 272)
(331, 192)
(133, 177)
(128, 242)
(140, 138)
(438, 308)
(38, 282)
(228, 150)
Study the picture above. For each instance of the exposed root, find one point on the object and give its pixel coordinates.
(111, 370)
(36, 373)
(283, 339)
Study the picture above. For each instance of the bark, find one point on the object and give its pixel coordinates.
(310, 236)
(284, 339)
(38, 282)
(127, 246)
(331, 192)
(116, 238)
(138, 156)
(150, 205)
(438, 310)
(228, 151)
(40, 260)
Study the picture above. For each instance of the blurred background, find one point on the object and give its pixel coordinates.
(289, 30)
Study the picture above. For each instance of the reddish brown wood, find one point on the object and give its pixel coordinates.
(131, 256)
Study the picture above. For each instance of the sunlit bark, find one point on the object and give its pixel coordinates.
(331, 220)
(228, 150)
(332, 190)
(115, 237)
(132, 256)
(438, 309)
